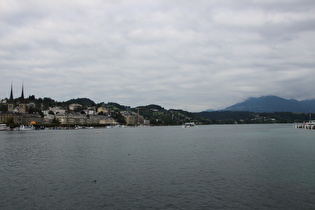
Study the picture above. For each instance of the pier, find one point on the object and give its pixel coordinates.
(306, 125)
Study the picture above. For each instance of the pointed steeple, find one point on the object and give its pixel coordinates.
(22, 95)
(11, 100)
(11, 95)
(22, 105)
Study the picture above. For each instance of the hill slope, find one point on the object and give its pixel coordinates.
(82, 101)
(273, 104)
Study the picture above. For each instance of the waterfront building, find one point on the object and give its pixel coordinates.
(134, 119)
(72, 119)
(102, 109)
(105, 120)
(48, 118)
(58, 110)
(20, 118)
(92, 119)
(90, 111)
(146, 122)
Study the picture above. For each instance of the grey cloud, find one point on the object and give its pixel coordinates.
(192, 55)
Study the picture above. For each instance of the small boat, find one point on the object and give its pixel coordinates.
(4, 127)
(307, 125)
(26, 128)
(189, 124)
(310, 125)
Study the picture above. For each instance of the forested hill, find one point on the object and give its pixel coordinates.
(263, 112)
(239, 117)
(82, 101)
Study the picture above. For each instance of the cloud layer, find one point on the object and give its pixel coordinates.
(191, 55)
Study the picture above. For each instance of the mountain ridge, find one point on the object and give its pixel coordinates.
(273, 103)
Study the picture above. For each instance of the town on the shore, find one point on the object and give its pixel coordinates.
(22, 111)
(83, 112)
(45, 112)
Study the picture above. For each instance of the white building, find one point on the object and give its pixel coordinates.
(58, 110)
(72, 119)
(73, 107)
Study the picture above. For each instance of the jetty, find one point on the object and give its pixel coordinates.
(306, 125)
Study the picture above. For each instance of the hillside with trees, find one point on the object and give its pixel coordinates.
(158, 115)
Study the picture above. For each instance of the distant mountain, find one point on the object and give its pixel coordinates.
(309, 104)
(210, 110)
(273, 104)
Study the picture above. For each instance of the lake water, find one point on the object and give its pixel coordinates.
(205, 167)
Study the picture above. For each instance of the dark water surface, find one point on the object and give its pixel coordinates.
(205, 167)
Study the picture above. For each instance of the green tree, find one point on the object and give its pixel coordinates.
(10, 122)
(55, 121)
(3, 108)
(118, 117)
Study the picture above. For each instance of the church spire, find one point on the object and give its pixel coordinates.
(22, 95)
(11, 95)
(22, 105)
(11, 100)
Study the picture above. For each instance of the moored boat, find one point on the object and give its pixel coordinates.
(26, 128)
(307, 125)
(189, 124)
(4, 127)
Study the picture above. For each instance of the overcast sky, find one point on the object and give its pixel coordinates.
(183, 54)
